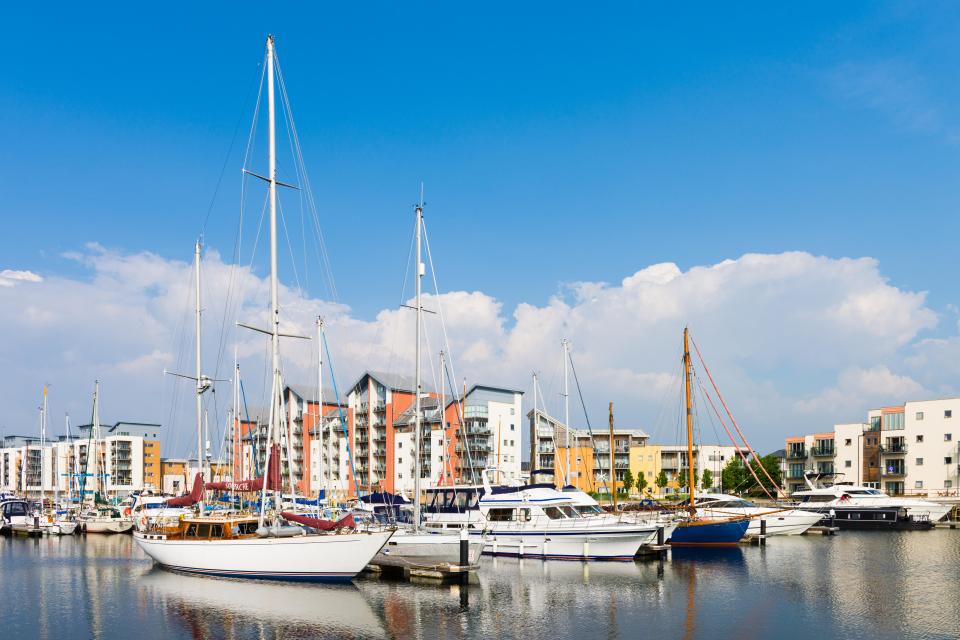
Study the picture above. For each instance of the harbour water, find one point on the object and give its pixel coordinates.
(853, 585)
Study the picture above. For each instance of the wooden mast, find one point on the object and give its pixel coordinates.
(686, 384)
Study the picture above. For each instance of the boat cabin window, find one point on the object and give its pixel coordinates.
(589, 509)
(817, 498)
(554, 513)
(12, 509)
(569, 511)
(508, 515)
(246, 528)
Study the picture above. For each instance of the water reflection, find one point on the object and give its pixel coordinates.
(207, 607)
(855, 585)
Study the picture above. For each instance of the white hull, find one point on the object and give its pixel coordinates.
(595, 543)
(423, 550)
(779, 523)
(66, 528)
(321, 558)
(113, 526)
(935, 511)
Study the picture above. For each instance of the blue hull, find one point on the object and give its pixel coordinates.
(709, 534)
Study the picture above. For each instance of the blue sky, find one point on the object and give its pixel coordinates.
(557, 144)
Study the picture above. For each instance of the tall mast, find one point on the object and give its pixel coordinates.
(70, 474)
(613, 473)
(443, 405)
(93, 449)
(534, 443)
(43, 444)
(416, 419)
(686, 384)
(323, 476)
(566, 408)
(274, 303)
(199, 399)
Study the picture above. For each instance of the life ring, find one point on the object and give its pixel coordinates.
(126, 512)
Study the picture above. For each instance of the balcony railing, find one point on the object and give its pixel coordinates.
(795, 474)
(893, 472)
(822, 452)
(796, 454)
(893, 449)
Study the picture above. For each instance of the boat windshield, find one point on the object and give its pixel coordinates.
(863, 492)
(730, 504)
(554, 513)
(589, 509)
(569, 511)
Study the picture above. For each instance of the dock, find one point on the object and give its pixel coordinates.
(947, 524)
(439, 573)
(26, 531)
(823, 530)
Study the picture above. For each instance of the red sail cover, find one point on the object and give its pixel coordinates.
(191, 498)
(257, 483)
(346, 522)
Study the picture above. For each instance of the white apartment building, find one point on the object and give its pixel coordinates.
(902, 449)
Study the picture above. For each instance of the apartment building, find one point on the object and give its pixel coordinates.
(903, 449)
(589, 467)
(367, 438)
(116, 461)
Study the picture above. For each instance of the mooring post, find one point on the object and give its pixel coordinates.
(660, 536)
(464, 556)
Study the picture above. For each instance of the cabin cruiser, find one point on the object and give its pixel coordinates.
(104, 520)
(14, 512)
(779, 521)
(535, 521)
(588, 507)
(859, 507)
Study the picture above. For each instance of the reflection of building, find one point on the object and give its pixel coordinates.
(590, 458)
(120, 459)
(910, 448)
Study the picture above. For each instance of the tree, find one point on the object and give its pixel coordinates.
(707, 482)
(682, 480)
(738, 479)
(627, 481)
(661, 480)
(641, 482)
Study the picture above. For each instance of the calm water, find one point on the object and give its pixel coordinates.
(855, 585)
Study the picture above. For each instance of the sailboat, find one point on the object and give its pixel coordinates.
(262, 546)
(415, 547)
(698, 531)
(51, 521)
(99, 517)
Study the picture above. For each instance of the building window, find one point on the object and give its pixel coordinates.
(893, 421)
(948, 413)
(400, 461)
(948, 460)
(511, 427)
(918, 484)
(400, 476)
(919, 415)
(848, 442)
(948, 484)
(920, 438)
(947, 437)
(847, 464)
(919, 462)
(400, 446)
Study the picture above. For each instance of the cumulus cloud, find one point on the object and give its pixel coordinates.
(775, 329)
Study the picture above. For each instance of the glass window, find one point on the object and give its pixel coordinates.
(947, 437)
(892, 421)
(919, 462)
(919, 415)
(500, 515)
(847, 464)
(848, 442)
(948, 413)
(948, 460)
(553, 513)
(948, 484)
(918, 484)
(920, 438)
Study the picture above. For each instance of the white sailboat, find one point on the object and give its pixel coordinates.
(249, 546)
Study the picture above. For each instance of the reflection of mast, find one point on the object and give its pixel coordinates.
(689, 626)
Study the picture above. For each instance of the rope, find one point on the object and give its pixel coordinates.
(732, 419)
(343, 420)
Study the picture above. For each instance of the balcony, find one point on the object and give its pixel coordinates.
(797, 454)
(795, 474)
(893, 449)
(823, 452)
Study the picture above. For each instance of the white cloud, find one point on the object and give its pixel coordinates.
(775, 329)
(10, 277)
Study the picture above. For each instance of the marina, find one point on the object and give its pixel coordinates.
(465, 329)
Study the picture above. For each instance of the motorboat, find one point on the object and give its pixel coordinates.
(422, 549)
(14, 512)
(779, 521)
(584, 504)
(855, 506)
(104, 520)
(150, 510)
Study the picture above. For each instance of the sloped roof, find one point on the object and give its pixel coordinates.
(309, 392)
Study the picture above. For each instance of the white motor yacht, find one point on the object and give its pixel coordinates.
(14, 512)
(150, 511)
(780, 522)
(856, 506)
